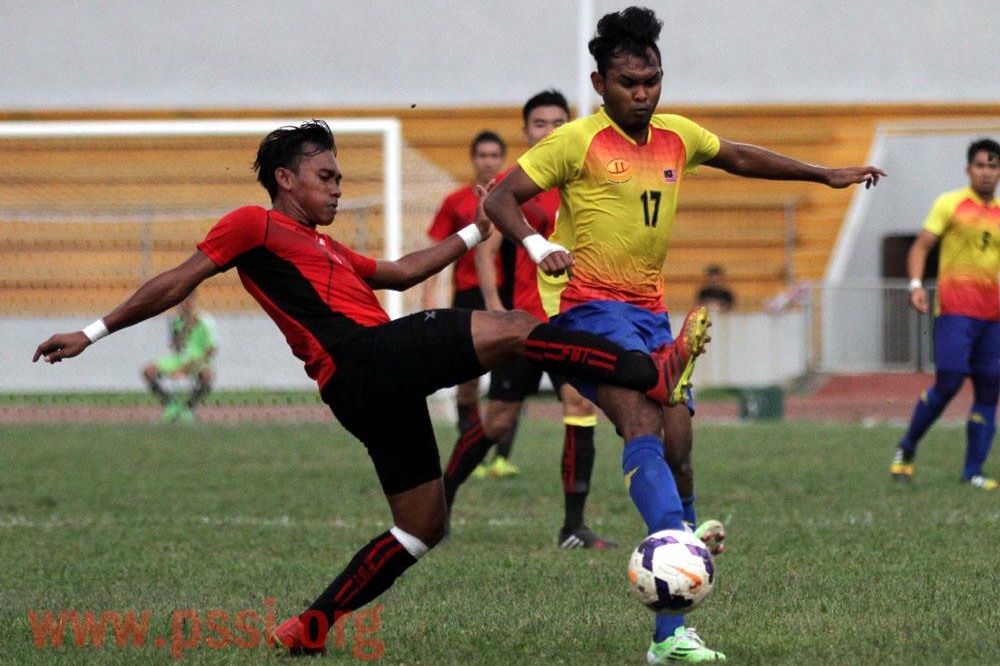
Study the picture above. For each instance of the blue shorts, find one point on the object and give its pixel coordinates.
(967, 345)
(634, 328)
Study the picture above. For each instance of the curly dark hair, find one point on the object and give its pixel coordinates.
(632, 31)
(286, 146)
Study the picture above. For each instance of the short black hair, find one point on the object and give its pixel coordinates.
(991, 147)
(632, 31)
(286, 146)
(487, 136)
(551, 97)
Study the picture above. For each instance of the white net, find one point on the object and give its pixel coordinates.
(86, 217)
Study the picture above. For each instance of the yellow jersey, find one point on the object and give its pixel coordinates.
(617, 206)
(969, 256)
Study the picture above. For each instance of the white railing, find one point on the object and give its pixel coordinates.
(859, 328)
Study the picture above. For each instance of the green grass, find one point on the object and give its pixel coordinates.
(828, 561)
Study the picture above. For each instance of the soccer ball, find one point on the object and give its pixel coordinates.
(671, 571)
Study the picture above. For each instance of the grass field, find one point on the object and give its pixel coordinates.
(211, 532)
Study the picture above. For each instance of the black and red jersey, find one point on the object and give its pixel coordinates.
(539, 212)
(456, 211)
(313, 287)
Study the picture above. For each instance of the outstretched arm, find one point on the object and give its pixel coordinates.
(155, 296)
(416, 267)
(743, 159)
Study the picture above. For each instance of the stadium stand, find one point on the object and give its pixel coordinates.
(768, 234)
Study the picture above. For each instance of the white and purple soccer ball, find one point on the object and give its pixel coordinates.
(671, 571)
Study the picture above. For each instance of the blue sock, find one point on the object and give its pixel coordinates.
(653, 490)
(979, 438)
(651, 484)
(928, 409)
(690, 517)
(666, 625)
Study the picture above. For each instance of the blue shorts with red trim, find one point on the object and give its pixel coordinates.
(632, 327)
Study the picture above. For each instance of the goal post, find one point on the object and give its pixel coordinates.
(389, 129)
(91, 209)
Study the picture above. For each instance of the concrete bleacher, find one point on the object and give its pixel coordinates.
(767, 234)
(740, 223)
(83, 221)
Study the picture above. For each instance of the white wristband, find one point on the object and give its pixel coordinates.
(916, 283)
(538, 248)
(95, 331)
(471, 235)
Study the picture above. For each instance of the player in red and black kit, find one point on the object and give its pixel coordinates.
(486, 154)
(319, 293)
(512, 382)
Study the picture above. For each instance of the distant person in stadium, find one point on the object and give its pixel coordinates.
(619, 172)
(966, 222)
(192, 344)
(512, 382)
(714, 294)
(487, 153)
(320, 295)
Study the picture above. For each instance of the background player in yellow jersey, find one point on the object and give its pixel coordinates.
(967, 327)
(619, 172)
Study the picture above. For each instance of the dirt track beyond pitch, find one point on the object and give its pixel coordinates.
(854, 398)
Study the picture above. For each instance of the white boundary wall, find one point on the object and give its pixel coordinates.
(247, 345)
(177, 54)
(747, 350)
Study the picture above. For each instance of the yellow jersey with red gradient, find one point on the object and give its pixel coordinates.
(969, 257)
(617, 204)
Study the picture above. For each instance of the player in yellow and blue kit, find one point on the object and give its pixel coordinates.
(967, 322)
(619, 173)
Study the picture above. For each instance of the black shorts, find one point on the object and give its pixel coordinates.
(517, 379)
(468, 299)
(379, 391)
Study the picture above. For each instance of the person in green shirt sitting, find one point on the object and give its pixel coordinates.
(193, 344)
